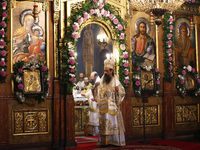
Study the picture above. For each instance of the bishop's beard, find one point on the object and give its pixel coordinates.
(93, 81)
(107, 78)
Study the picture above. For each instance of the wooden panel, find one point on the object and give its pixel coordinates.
(4, 122)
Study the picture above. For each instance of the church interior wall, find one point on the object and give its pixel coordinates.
(168, 116)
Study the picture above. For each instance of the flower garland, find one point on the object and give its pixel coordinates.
(4, 5)
(18, 80)
(180, 81)
(137, 80)
(168, 47)
(97, 9)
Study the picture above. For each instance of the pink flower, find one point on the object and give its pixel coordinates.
(91, 11)
(71, 53)
(71, 61)
(3, 53)
(2, 32)
(73, 79)
(170, 58)
(125, 55)
(125, 64)
(170, 50)
(95, 1)
(44, 68)
(171, 19)
(137, 83)
(115, 21)
(158, 82)
(169, 42)
(121, 36)
(111, 16)
(120, 27)
(2, 43)
(169, 35)
(3, 24)
(182, 82)
(4, 4)
(75, 35)
(183, 72)
(49, 85)
(170, 67)
(192, 1)
(2, 63)
(198, 80)
(171, 74)
(80, 20)
(126, 81)
(4, 14)
(171, 27)
(3, 73)
(20, 86)
(193, 70)
(86, 16)
(20, 70)
(105, 13)
(156, 69)
(72, 70)
(126, 72)
(75, 27)
(100, 6)
(138, 68)
(187, 0)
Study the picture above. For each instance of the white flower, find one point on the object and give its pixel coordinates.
(3, 59)
(18, 79)
(148, 68)
(189, 68)
(2, 69)
(48, 77)
(157, 92)
(70, 45)
(123, 46)
(97, 11)
(184, 67)
(127, 77)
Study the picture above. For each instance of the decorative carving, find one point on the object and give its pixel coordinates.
(30, 122)
(45, 6)
(186, 113)
(151, 115)
(42, 121)
(13, 3)
(117, 10)
(56, 19)
(18, 122)
(77, 5)
(189, 9)
(56, 5)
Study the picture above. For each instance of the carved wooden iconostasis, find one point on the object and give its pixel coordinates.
(26, 100)
(54, 119)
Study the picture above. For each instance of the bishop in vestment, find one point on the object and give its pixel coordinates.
(110, 95)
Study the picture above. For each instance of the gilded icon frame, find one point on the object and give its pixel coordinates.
(29, 5)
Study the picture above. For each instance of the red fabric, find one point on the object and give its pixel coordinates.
(152, 145)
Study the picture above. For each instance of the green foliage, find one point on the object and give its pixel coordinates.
(168, 74)
(3, 69)
(73, 19)
(19, 80)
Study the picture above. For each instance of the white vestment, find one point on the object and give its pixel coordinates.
(111, 125)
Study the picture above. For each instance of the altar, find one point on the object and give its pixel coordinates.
(81, 115)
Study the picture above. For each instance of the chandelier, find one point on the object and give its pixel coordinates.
(157, 7)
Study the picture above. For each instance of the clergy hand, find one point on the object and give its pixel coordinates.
(117, 88)
(97, 84)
